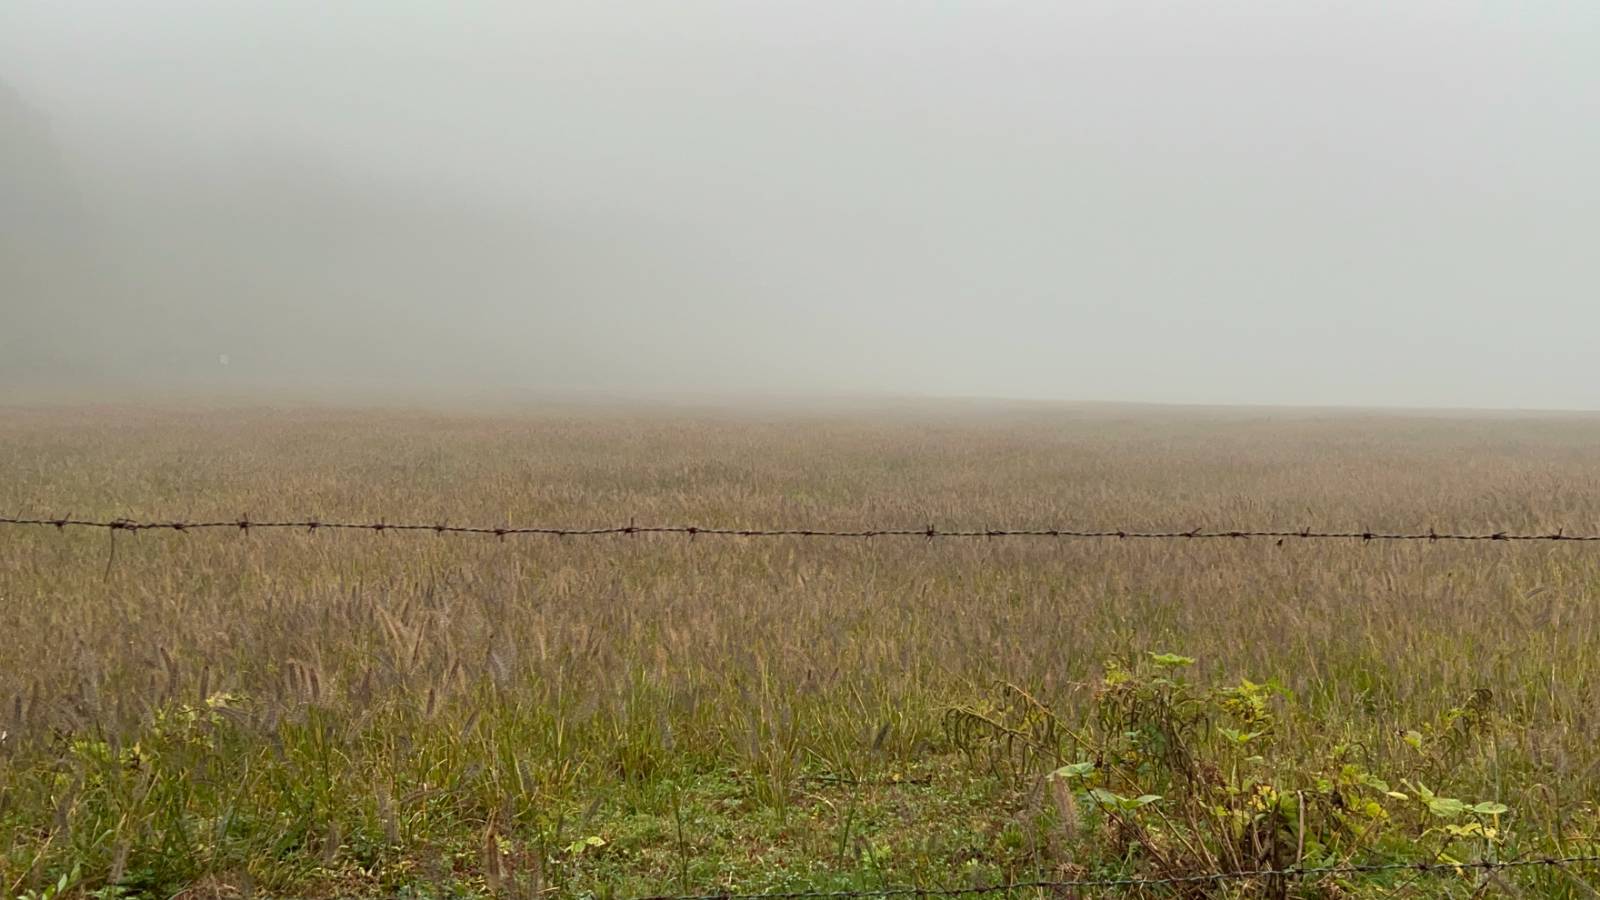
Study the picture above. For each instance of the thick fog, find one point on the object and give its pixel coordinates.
(1304, 203)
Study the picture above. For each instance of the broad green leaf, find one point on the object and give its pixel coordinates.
(1490, 808)
(1107, 798)
(1171, 659)
(1238, 737)
(577, 847)
(1074, 770)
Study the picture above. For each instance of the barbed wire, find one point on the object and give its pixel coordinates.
(1298, 873)
(930, 532)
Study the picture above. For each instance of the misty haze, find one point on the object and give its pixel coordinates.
(770, 450)
(1307, 204)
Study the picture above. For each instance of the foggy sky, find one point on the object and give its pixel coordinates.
(1304, 203)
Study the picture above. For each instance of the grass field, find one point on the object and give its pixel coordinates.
(291, 714)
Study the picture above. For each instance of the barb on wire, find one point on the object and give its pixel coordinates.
(1418, 868)
(245, 525)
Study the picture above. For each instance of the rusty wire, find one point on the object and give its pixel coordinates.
(930, 532)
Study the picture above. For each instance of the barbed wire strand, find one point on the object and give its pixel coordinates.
(1419, 868)
(930, 532)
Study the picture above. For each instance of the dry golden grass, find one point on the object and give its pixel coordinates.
(380, 703)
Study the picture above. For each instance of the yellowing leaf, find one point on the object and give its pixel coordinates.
(1171, 660)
